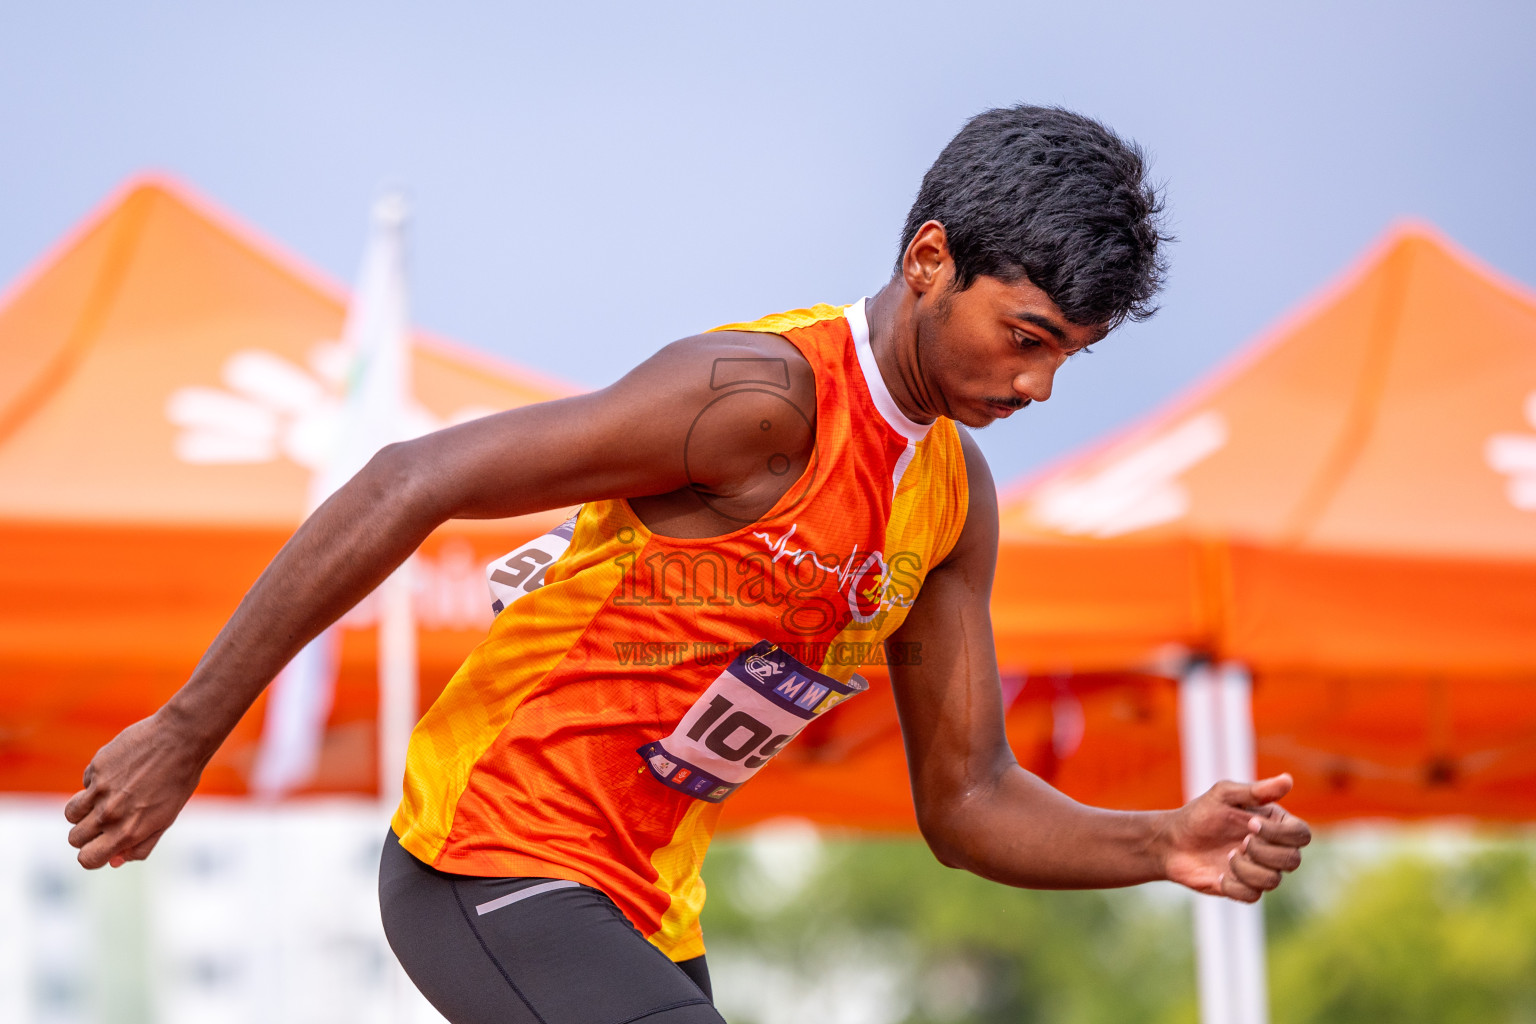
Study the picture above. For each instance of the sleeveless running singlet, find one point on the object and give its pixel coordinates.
(595, 731)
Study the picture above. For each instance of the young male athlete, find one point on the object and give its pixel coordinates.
(754, 499)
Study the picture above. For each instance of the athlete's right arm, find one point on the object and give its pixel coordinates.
(628, 440)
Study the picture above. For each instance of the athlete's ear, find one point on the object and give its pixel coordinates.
(926, 265)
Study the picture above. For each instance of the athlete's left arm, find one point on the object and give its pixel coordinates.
(979, 810)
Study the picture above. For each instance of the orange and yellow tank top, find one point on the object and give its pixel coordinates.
(639, 679)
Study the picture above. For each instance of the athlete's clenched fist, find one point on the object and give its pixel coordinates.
(1235, 840)
(134, 788)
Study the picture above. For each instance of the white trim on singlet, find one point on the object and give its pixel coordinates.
(885, 405)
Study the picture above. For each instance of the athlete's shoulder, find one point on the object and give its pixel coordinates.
(750, 407)
(723, 360)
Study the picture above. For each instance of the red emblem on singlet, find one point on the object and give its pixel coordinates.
(866, 588)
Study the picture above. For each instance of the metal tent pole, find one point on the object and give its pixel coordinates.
(1216, 740)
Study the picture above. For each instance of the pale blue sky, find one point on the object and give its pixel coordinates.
(590, 181)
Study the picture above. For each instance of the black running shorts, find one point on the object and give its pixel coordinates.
(530, 951)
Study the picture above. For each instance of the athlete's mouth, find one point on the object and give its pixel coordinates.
(1002, 408)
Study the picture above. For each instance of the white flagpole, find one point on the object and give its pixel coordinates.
(374, 414)
(384, 382)
(1216, 742)
(386, 378)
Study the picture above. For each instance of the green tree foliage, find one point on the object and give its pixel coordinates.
(1375, 932)
(1415, 939)
(964, 949)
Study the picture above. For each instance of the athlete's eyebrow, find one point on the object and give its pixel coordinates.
(1044, 322)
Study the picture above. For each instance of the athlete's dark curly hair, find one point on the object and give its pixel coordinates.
(1054, 196)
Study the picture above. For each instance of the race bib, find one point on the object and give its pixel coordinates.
(749, 713)
(521, 571)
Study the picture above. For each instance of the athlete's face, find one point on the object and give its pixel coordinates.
(985, 352)
(994, 348)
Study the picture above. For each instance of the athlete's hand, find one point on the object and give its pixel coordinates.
(1234, 840)
(134, 788)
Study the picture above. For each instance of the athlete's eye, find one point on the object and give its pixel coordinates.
(1023, 340)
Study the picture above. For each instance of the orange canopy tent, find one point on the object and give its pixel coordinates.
(167, 381)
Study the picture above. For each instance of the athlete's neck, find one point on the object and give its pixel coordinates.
(893, 337)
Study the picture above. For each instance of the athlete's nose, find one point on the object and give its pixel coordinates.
(1035, 383)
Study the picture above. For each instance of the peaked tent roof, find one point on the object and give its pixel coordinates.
(1391, 416)
(166, 366)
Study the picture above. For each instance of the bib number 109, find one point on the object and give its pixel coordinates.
(736, 735)
(762, 700)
